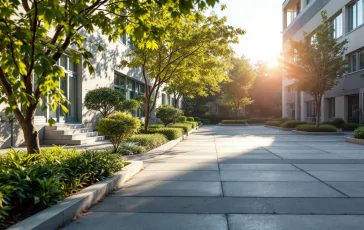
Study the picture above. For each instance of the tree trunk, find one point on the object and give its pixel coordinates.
(318, 111)
(30, 136)
(147, 114)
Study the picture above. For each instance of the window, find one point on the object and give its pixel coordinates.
(331, 103)
(352, 62)
(310, 109)
(337, 23)
(361, 59)
(119, 81)
(123, 38)
(164, 97)
(313, 39)
(356, 14)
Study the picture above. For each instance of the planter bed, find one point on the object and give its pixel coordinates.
(287, 129)
(220, 124)
(57, 215)
(354, 140)
(316, 133)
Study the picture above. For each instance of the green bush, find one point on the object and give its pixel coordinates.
(197, 119)
(131, 105)
(206, 121)
(274, 122)
(149, 141)
(167, 114)
(170, 133)
(104, 100)
(130, 148)
(118, 127)
(32, 182)
(337, 122)
(182, 119)
(257, 120)
(156, 126)
(185, 126)
(313, 128)
(359, 133)
(233, 122)
(348, 126)
(292, 124)
(190, 119)
(193, 123)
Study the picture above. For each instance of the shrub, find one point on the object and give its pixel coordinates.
(156, 126)
(170, 133)
(190, 119)
(167, 114)
(197, 119)
(193, 123)
(104, 100)
(118, 127)
(130, 148)
(338, 121)
(182, 119)
(185, 126)
(313, 128)
(149, 141)
(233, 122)
(348, 126)
(205, 121)
(258, 120)
(32, 182)
(292, 124)
(274, 122)
(131, 105)
(359, 133)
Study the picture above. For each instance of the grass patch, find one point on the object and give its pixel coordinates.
(149, 141)
(170, 133)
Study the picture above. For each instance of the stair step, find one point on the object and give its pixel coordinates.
(65, 127)
(87, 140)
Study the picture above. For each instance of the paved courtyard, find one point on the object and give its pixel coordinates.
(241, 178)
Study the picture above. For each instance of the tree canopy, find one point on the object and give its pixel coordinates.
(318, 62)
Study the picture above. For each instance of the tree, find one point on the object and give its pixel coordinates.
(34, 34)
(142, 99)
(118, 127)
(131, 105)
(235, 93)
(168, 114)
(318, 62)
(191, 37)
(104, 100)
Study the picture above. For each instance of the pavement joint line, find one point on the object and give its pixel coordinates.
(227, 221)
(332, 187)
(218, 167)
(273, 153)
(237, 213)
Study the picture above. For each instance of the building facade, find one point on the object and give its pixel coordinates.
(79, 81)
(346, 100)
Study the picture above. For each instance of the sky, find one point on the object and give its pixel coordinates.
(262, 22)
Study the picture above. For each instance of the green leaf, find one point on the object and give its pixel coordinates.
(51, 122)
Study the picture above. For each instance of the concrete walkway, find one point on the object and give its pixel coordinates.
(248, 178)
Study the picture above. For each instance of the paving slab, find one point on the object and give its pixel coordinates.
(265, 176)
(338, 175)
(352, 189)
(310, 156)
(178, 176)
(292, 151)
(149, 221)
(278, 189)
(260, 167)
(170, 188)
(182, 167)
(296, 222)
(249, 156)
(334, 167)
(227, 205)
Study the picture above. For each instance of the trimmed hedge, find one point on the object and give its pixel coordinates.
(185, 126)
(274, 123)
(193, 123)
(258, 120)
(197, 119)
(237, 122)
(337, 122)
(190, 119)
(130, 148)
(170, 133)
(182, 119)
(149, 141)
(292, 124)
(157, 126)
(32, 182)
(313, 128)
(359, 133)
(349, 126)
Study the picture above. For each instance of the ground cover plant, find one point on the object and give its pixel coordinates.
(292, 124)
(314, 128)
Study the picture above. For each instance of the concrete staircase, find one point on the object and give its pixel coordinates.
(70, 134)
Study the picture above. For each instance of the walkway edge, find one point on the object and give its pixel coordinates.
(57, 215)
(354, 140)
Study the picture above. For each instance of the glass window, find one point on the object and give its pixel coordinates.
(338, 27)
(356, 14)
(331, 103)
(63, 61)
(119, 80)
(72, 66)
(361, 59)
(353, 63)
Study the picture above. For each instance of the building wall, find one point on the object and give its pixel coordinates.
(307, 21)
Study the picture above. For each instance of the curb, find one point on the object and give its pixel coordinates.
(316, 133)
(57, 215)
(354, 140)
(272, 127)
